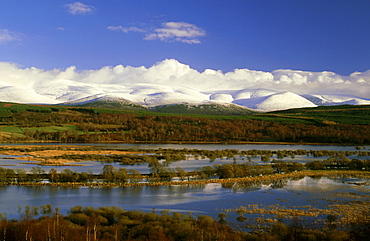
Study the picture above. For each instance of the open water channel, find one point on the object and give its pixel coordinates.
(208, 199)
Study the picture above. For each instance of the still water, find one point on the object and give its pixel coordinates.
(209, 199)
(187, 165)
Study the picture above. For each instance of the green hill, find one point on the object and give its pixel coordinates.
(183, 123)
(204, 109)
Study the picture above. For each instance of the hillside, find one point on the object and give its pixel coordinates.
(337, 125)
(204, 109)
(107, 102)
(207, 108)
(343, 114)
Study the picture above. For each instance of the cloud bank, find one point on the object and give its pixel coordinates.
(171, 80)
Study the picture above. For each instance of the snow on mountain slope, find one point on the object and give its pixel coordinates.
(253, 93)
(171, 82)
(94, 98)
(222, 97)
(279, 101)
(66, 90)
(169, 98)
(336, 100)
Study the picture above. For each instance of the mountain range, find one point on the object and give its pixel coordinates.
(170, 83)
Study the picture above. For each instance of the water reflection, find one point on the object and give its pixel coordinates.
(205, 198)
(188, 165)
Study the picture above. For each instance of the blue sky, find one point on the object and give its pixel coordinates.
(314, 35)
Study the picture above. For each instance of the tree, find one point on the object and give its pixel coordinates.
(181, 173)
(121, 175)
(280, 166)
(225, 171)
(84, 177)
(315, 165)
(21, 175)
(108, 173)
(295, 166)
(265, 158)
(135, 176)
(37, 171)
(280, 229)
(357, 164)
(53, 175)
(222, 217)
(67, 175)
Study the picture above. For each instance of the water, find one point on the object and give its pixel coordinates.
(203, 146)
(187, 165)
(231, 146)
(207, 199)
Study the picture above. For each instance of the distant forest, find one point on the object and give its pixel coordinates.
(19, 123)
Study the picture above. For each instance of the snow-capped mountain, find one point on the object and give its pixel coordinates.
(278, 101)
(170, 82)
(336, 100)
(105, 101)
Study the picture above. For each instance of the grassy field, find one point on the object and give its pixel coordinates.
(346, 114)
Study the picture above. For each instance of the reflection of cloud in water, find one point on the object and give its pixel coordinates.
(211, 191)
(310, 184)
(212, 187)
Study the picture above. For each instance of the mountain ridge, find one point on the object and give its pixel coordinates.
(170, 82)
(272, 102)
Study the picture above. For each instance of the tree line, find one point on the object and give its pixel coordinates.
(132, 127)
(160, 172)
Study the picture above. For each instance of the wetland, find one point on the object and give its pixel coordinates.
(192, 179)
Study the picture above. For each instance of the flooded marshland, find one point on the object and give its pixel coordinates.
(311, 199)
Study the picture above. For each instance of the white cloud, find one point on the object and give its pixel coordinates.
(79, 8)
(172, 76)
(177, 32)
(7, 36)
(170, 32)
(126, 30)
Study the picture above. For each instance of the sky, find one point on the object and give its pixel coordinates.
(263, 35)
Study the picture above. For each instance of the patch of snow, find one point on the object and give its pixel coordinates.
(169, 98)
(253, 93)
(222, 97)
(337, 100)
